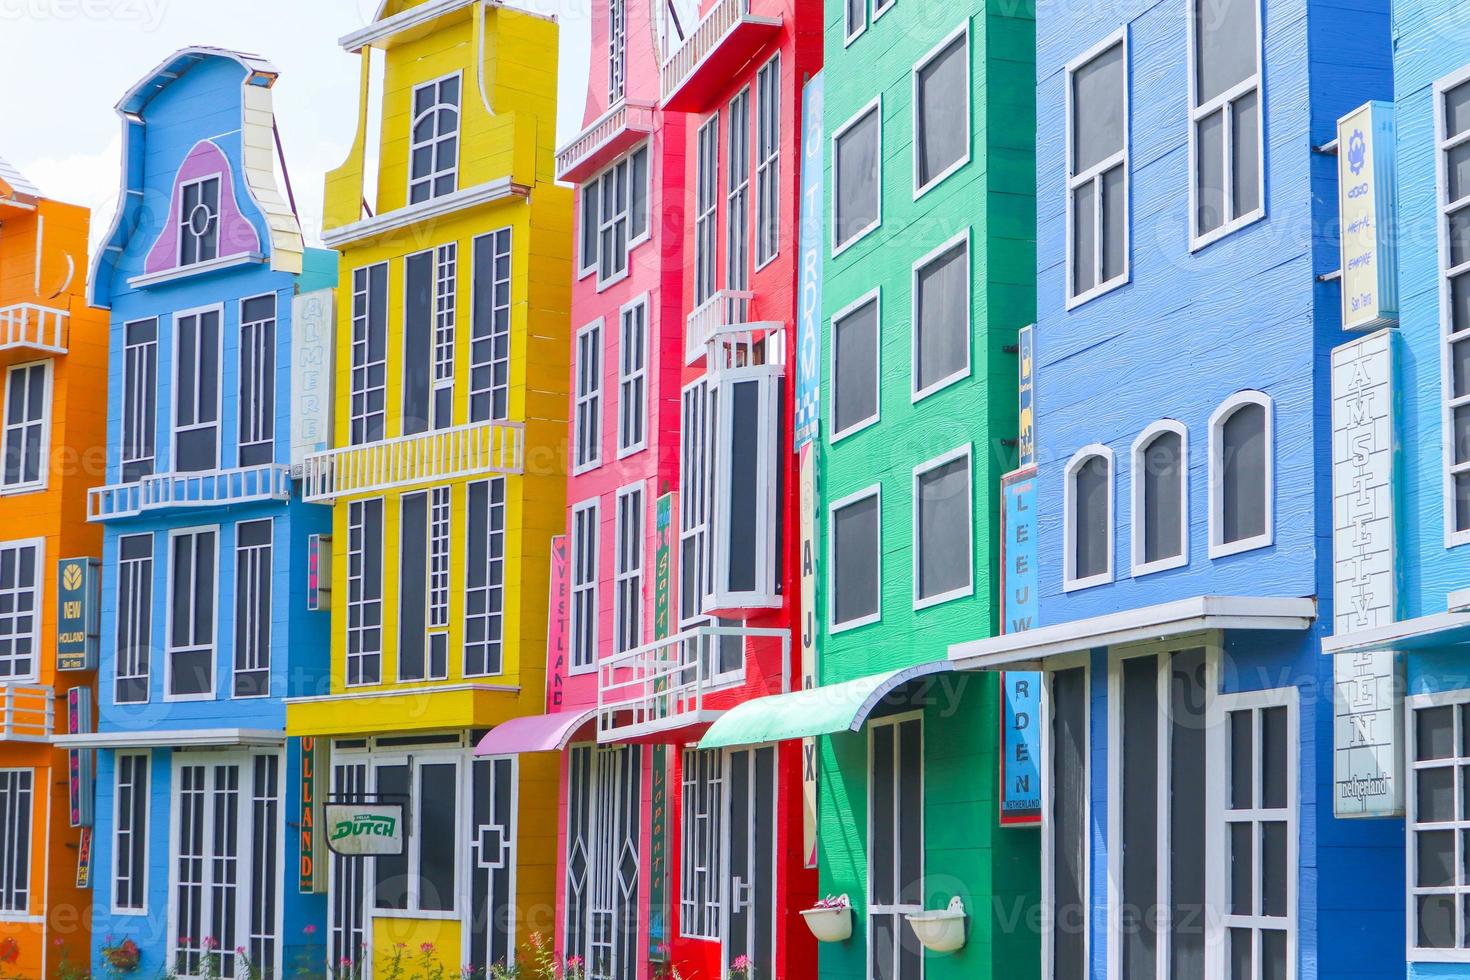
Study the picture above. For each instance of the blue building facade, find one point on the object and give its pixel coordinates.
(1183, 511)
(203, 836)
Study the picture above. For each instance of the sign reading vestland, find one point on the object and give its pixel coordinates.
(78, 608)
(364, 829)
(1367, 740)
(1365, 207)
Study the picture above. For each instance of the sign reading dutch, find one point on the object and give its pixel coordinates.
(809, 307)
(1367, 749)
(1365, 206)
(364, 829)
(78, 608)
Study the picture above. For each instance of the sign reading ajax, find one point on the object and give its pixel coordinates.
(364, 829)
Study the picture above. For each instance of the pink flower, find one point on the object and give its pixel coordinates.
(310, 929)
(239, 950)
(575, 962)
(426, 948)
(345, 962)
(210, 943)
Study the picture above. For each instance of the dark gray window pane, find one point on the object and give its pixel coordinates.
(1139, 757)
(1068, 827)
(1460, 302)
(1209, 194)
(885, 890)
(910, 812)
(943, 538)
(1461, 421)
(1436, 858)
(1241, 955)
(1436, 795)
(1460, 367)
(943, 129)
(418, 327)
(1114, 223)
(1225, 44)
(942, 318)
(1434, 732)
(1084, 238)
(1457, 109)
(855, 560)
(590, 226)
(390, 872)
(1457, 163)
(413, 584)
(438, 786)
(742, 531)
(1273, 954)
(1242, 891)
(1275, 868)
(1436, 917)
(1242, 754)
(1274, 750)
(855, 373)
(855, 173)
(638, 194)
(1459, 236)
(1097, 109)
(1245, 150)
(1187, 780)
(1462, 501)
(1090, 517)
(1243, 478)
(1163, 497)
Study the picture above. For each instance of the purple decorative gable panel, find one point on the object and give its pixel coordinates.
(237, 236)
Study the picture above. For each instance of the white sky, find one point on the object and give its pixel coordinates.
(67, 62)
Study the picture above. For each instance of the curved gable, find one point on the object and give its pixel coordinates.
(237, 236)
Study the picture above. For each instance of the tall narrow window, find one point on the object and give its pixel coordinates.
(1452, 128)
(855, 19)
(1066, 827)
(943, 529)
(1188, 702)
(364, 592)
(17, 803)
(1225, 114)
(196, 391)
(130, 833)
(896, 853)
(633, 378)
(428, 338)
(737, 200)
(768, 161)
(1138, 804)
(942, 111)
(490, 339)
(446, 285)
(1439, 826)
(855, 566)
(140, 399)
(1240, 474)
(134, 617)
(485, 580)
(941, 327)
(1160, 468)
(1089, 522)
(253, 587)
(433, 146)
(614, 217)
(257, 380)
(369, 353)
(423, 551)
(193, 585)
(857, 151)
(20, 609)
(262, 918)
(706, 213)
(612, 224)
(438, 617)
(587, 417)
(424, 877)
(855, 367)
(199, 221)
(1097, 170)
(584, 547)
(27, 411)
(617, 50)
(700, 836)
(693, 505)
(628, 608)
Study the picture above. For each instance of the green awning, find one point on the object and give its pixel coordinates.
(824, 710)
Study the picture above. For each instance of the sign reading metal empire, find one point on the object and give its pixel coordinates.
(364, 829)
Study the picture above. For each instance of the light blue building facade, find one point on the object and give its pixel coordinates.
(1183, 512)
(202, 804)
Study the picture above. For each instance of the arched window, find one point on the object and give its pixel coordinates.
(1160, 498)
(1240, 474)
(1089, 525)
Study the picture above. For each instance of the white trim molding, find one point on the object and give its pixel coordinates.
(1215, 474)
(1140, 449)
(1070, 581)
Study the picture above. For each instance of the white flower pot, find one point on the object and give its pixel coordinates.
(832, 925)
(940, 930)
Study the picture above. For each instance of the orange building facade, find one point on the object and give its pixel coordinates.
(53, 379)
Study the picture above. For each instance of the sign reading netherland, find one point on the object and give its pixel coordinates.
(1363, 484)
(1367, 722)
(1365, 194)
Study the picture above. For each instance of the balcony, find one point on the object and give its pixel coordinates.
(671, 689)
(721, 44)
(482, 449)
(726, 312)
(27, 713)
(27, 326)
(611, 135)
(181, 491)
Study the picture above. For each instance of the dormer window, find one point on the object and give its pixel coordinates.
(433, 152)
(199, 221)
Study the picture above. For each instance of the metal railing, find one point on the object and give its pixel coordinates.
(207, 488)
(624, 117)
(711, 31)
(33, 327)
(727, 313)
(664, 684)
(495, 448)
(27, 713)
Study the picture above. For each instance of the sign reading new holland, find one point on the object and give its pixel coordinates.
(809, 307)
(78, 605)
(364, 829)
(1365, 182)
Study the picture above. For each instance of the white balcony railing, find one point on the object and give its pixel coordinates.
(27, 713)
(727, 311)
(725, 21)
(27, 326)
(484, 448)
(207, 488)
(611, 134)
(665, 685)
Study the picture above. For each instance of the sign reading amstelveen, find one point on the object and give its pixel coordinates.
(364, 829)
(1367, 744)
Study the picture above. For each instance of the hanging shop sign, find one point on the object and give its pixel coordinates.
(1018, 568)
(809, 280)
(663, 524)
(84, 858)
(80, 763)
(319, 572)
(78, 613)
(807, 483)
(1367, 734)
(364, 829)
(1366, 204)
(311, 877)
(658, 902)
(1020, 763)
(1026, 389)
(556, 625)
(311, 374)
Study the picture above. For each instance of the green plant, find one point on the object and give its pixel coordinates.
(433, 969)
(393, 969)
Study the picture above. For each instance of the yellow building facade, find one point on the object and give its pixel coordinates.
(445, 475)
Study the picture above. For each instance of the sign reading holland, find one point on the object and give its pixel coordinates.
(364, 829)
(1365, 196)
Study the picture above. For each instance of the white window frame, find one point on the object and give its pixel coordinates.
(415, 759)
(270, 566)
(874, 296)
(502, 243)
(851, 31)
(138, 837)
(38, 596)
(135, 358)
(444, 327)
(695, 494)
(1145, 439)
(1070, 581)
(1218, 547)
(636, 378)
(23, 843)
(168, 616)
(834, 627)
(590, 262)
(917, 394)
(251, 416)
(707, 219)
(432, 177)
(185, 225)
(894, 721)
(1094, 175)
(225, 330)
(966, 453)
(590, 400)
(364, 657)
(630, 578)
(769, 166)
(875, 106)
(13, 429)
(362, 325)
(592, 586)
(1198, 239)
(1412, 704)
(491, 564)
(617, 51)
(145, 610)
(1082, 660)
(1446, 273)
(926, 59)
(738, 150)
(701, 833)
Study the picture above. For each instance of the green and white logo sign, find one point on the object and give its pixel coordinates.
(364, 829)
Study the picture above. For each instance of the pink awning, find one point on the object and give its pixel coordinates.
(537, 733)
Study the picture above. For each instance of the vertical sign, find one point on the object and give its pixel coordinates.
(556, 626)
(84, 858)
(1026, 390)
(311, 374)
(663, 524)
(809, 279)
(319, 572)
(1367, 750)
(1020, 716)
(807, 481)
(658, 919)
(1365, 210)
(1018, 570)
(311, 877)
(78, 604)
(80, 780)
